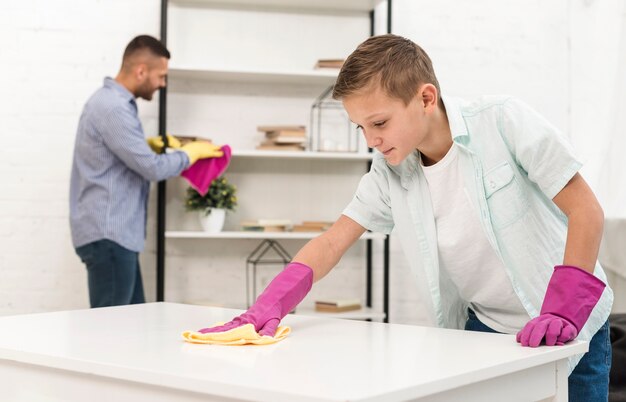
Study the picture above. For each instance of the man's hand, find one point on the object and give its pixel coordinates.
(200, 150)
(156, 143)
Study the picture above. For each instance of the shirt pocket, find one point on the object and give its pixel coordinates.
(507, 203)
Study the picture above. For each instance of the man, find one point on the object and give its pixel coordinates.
(111, 173)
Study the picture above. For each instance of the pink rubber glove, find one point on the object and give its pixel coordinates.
(201, 174)
(571, 296)
(284, 293)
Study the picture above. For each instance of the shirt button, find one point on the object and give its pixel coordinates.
(492, 184)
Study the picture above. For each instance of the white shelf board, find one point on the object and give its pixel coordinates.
(327, 5)
(349, 156)
(255, 235)
(361, 314)
(307, 77)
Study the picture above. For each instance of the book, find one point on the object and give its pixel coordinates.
(185, 139)
(284, 140)
(285, 133)
(295, 129)
(273, 132)
(266, 225)
(252, 228)
(329, 63)
(312, 226)
(272, 228)
(306, 228)
(283, 222)
(323, 224)
(263, 228)
(280, 147)
(337, 305)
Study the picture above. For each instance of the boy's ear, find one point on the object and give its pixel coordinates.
(429, 96)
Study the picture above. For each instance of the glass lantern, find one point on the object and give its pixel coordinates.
(331, 129)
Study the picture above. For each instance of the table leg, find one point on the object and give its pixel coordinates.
(561, 381)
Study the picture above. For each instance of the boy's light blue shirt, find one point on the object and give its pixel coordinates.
(515, 162)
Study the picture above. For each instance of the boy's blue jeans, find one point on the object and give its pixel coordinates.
(113, 274)
(589, 382)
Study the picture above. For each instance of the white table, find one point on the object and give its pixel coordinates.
(136, 353)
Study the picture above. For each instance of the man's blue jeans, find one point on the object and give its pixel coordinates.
(113, 274)
(589, 382)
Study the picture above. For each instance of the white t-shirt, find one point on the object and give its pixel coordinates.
(465, 252)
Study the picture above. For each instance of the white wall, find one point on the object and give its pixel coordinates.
(563, 57)
(518, 48)
(566, 58)
(487, 47)
(598, 97)
(55, 54)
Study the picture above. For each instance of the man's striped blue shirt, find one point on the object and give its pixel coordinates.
(112, 169)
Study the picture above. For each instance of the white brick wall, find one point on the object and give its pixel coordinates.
(53, 55)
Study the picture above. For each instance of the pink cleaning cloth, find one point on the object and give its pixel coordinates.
(201, 174)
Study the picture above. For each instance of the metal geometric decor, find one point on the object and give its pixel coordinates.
(258, 257)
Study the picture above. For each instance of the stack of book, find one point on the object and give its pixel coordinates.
(329, 63)
(266, 225)
(283, 138)
(312, 226)
(337, 305)
(186, 139)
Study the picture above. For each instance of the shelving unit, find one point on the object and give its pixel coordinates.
(366, 313)
(297, 5)
(258, 235)
(213, 69)
(342, 156)
(317, 77)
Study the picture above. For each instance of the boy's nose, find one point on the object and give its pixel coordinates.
(373, 142)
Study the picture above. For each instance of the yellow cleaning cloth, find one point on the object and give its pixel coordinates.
(244, 335)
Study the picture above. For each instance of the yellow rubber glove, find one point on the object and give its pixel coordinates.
(156, 143)
(200, 150)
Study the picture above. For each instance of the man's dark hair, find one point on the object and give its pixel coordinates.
(144, 43)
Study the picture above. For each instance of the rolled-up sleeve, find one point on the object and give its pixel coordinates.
(123, 135)
(539, 148)
(370, 207)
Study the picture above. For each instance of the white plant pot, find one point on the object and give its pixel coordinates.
(214, 221)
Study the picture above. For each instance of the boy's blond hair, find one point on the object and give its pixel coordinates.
(395, 63)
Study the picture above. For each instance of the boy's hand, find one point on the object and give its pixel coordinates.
(554, 329)
(284, 293)
(571, 296)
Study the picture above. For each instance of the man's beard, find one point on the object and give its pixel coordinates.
(145, 92)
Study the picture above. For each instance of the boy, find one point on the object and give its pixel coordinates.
(486, 200)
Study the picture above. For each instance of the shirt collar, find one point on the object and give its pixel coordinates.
(407, 168)
(458, 129)
(410, 165)
(119, 88)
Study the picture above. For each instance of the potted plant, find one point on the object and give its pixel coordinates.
(213, 205)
